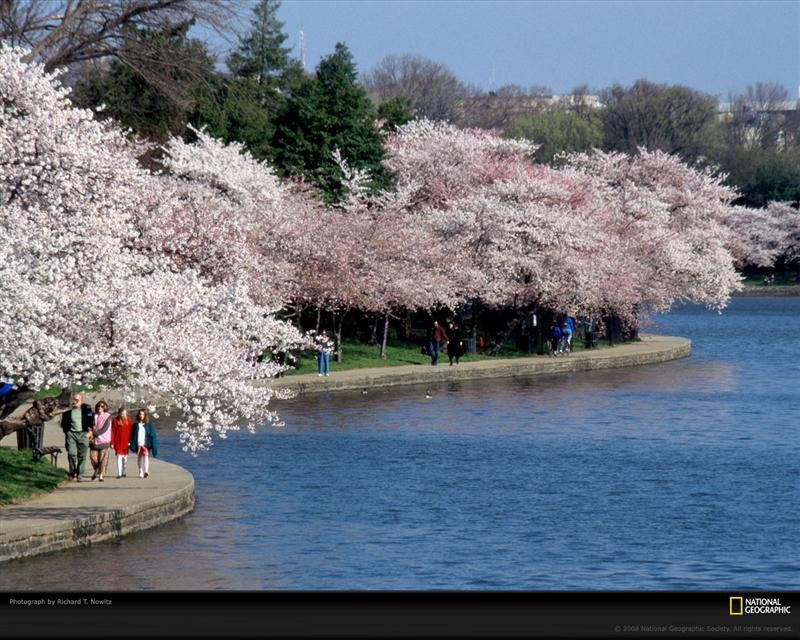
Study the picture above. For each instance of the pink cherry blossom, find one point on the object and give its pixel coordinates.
(90, 289)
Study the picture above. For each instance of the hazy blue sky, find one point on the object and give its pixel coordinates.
(715, 46)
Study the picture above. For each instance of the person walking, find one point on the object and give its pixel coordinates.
(121, 440)
(100, 441)
(437, 336)
(566, 338)
(555, 338)
(455, 347)
(324, 348)
(143, 442)
(75, 424)
(571, 326)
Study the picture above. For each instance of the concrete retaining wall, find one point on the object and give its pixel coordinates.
(61, 521)
(771, 290)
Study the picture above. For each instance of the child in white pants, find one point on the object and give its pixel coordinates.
(143, 460)
(144, 442)
(122, 464)
(121, 439)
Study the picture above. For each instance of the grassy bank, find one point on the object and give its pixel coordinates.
(789, 280)
(21, 477)
(357, 355)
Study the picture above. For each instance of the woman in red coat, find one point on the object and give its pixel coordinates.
(121, 439)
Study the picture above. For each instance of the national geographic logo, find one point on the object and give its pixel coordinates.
(739, 606)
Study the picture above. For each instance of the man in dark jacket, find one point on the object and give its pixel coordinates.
(75, 424)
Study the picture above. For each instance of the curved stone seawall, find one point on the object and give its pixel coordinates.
(79, 514)
(771, 290)
(651, 349)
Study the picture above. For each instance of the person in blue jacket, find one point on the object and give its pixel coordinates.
(571, 325)
(555, 338)
(566, 338)
(144, 442)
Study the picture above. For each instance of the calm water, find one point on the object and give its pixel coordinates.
(673, 476)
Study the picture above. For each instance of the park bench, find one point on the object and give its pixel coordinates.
(32, 437)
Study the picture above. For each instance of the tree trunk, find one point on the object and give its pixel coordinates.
(613, 329)
(373, 336)
(385, 334)
(545, 317)
(503, 335)
(39, 411)
(10, 401)
(473, 328)
(337, 334)
(299, 311)
(319, 313)
(404, 330)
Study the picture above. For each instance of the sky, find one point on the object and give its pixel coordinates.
(716, 46)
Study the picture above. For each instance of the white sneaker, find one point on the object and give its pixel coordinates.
(327, 374)
(141, 474)
(319, 374)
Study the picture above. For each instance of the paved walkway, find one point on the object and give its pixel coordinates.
(771, 290)
(649, 350)
(79, 513)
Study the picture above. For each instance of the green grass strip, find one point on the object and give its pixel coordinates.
(22, 478)
(356, 355)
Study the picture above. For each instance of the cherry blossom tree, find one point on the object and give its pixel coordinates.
(87, 295)
(169, 283)
(371, 253)
(226, 215)
(669, 222)
(762, 236)
(397, 261)
(609, 233)
(526, 228)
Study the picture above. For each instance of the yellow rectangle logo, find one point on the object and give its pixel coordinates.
(737, 605)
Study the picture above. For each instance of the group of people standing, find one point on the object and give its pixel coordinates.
(96, 432)
(560, 334)
(439, 340)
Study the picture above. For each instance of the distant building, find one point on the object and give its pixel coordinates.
(495, 110)
(754, 118)
(726, 109)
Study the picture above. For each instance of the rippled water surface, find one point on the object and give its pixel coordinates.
(672, 476)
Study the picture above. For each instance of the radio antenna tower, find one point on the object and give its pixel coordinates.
(302, 47)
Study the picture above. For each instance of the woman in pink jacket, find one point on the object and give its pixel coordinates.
(100, 440)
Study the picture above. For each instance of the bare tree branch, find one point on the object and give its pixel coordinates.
(80, 30)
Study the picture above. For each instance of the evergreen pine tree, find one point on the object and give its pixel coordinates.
(328, 112)
(232, 109)
(152, 99)
(262, 58)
